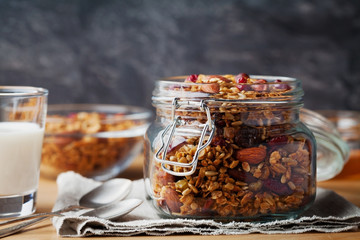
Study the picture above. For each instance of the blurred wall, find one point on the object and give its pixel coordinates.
(104, 51)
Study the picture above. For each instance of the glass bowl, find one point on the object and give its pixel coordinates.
(95, 140)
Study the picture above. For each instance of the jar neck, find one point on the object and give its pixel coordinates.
(250, 116)
(268, 106)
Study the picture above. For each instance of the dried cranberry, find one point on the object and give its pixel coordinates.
(192, 78)
(217, 140)
(277, 187)
(279, 140)
(282, 86)
(241, 78)
(243, 87)
(208, 203)
(241, 175)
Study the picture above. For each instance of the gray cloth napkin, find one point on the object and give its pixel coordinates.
(330, 213)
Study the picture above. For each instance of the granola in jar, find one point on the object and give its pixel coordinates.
(254, 160)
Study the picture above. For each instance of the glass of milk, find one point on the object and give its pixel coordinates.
(22, 123)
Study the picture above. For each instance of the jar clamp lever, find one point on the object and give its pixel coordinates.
(170, 130)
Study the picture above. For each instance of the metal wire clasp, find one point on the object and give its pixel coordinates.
(209, 126)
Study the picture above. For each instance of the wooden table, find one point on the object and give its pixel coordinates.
(347, 184)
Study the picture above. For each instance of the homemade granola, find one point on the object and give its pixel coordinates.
(70, 143)
(260, 161)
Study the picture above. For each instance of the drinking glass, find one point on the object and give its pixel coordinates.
(22, 122)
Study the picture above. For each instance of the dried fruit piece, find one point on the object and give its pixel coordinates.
(252, 155)
(208, 203)
(277, 187)
(217, 140)
(241, 78)
(248, 136)
(279, 140)
(210, 88)
(192, 78)
(241, 175)
(243, 87)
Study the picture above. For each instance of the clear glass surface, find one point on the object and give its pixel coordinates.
(96, 140)
(22, 122)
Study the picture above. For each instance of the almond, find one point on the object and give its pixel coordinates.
(210, 88)
(261, 87)
(252, 155)
(172, 199)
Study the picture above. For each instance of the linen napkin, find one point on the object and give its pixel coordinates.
(330, 213)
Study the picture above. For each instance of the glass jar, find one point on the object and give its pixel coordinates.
(223, 149)
(332, 151)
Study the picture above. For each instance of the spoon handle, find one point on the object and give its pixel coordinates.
(16, 228)
(37, 215)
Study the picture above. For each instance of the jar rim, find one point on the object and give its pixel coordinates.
(168, 88)
(171, 79)
(22, 91)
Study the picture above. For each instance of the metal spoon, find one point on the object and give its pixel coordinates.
(111, 211)
(114, 210)
(110, 191)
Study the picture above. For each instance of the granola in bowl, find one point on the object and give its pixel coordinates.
(97, 141)
(258, 162)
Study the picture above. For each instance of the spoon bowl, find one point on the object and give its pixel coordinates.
(108, 192)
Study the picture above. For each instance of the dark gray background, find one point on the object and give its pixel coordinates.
(103, 51)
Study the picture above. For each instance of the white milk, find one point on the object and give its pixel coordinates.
(20, 154)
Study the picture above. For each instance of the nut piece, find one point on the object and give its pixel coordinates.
(252, 155)
(221, 78)
(171, 198)
(210, 88)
